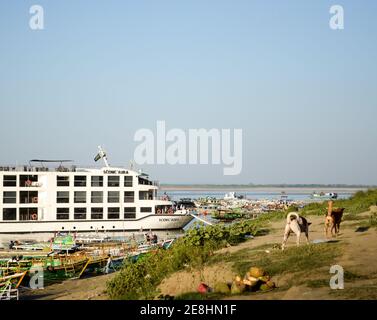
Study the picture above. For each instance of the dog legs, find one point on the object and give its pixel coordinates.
(333, 230)
(292, 227)
(296, 229)
(307, 236)
(298, 239)
(328, 226)
(287, 232)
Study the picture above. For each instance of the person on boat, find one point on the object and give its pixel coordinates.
(11, 245)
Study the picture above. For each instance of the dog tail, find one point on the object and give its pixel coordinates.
(290, 215)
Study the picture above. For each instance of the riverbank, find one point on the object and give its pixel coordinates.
(298, 273)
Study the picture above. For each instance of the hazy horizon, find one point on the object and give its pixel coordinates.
(304, 95)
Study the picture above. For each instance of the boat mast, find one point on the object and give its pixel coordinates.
(103, 155)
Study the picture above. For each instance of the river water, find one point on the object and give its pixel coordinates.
(296, 195)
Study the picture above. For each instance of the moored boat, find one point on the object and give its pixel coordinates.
(38, 198)
(323, 195)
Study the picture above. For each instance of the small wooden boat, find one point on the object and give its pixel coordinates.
(9, 286)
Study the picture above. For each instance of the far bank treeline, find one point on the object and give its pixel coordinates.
(278, 185)
(140, 279)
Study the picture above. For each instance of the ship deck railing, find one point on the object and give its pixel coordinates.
(36, 169)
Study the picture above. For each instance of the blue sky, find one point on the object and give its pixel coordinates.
(304, 95)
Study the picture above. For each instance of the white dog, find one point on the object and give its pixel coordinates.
(296, 224)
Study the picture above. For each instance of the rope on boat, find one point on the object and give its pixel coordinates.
(202, 220)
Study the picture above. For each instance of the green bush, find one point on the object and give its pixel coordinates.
(221, 234)
(139, 280)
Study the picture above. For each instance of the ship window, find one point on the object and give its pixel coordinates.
(97, 197)
(80, 214)
(62, 213)
(80, 181)
(146, 195)
(97, 213)
(80, 197)
(9, 197)
(9, 214)
(97, 181)
(130, 213)
(128, 181)
(28, 214)
(62, 181)
(28, 196)
(113, 181)
(129, 196)
(62, 197)
(146, 209)
(27, 180)
(10, 181)
(145, 181)
(113, 213)
(113, 197)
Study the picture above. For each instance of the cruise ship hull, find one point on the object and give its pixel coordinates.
(150, 222)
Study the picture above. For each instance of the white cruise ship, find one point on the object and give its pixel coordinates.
(36, 199)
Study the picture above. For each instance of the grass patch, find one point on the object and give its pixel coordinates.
(353, 217)
(352, 276)
(318, 283)
(306, 258)
(294, 259)
(364, 292)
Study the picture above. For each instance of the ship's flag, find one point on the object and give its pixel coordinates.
(99, 156)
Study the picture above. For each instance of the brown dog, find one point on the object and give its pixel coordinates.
(333, 221)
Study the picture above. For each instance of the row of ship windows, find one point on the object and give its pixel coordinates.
(79, 196)
(78, 181)
(30, 214)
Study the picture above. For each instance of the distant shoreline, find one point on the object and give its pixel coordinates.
(269, 188)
